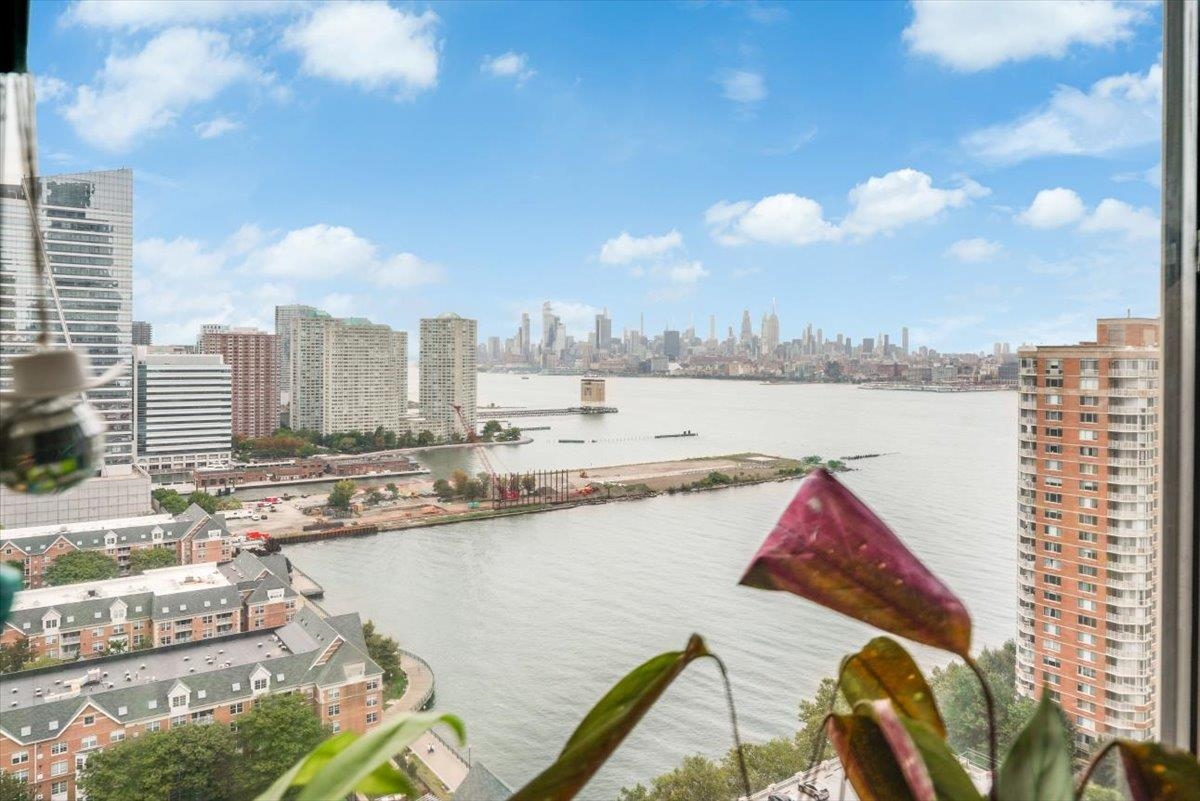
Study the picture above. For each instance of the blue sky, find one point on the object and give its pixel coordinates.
(977, 172)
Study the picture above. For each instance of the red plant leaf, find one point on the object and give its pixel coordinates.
(867, 758)
(908, 757)
(1156, 773)
(830, 548)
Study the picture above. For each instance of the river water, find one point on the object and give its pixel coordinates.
(527, 621)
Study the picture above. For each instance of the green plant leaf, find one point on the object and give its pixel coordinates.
(362, 757)
(307, 766)
(904, 750)
(1155, 772)
(883, 669)
(867, 759)
(608, 723)
(950, 780)
(1039, 763)
(830, 548)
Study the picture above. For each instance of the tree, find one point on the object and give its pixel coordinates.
(442, 488)
(228, 504)
(475, 490)
(272, 737)
(696, 779)
(143, 559)
(384, 651)
(528, 483)
(393, 489)
(425, 438)
(186, 763)
(116, 647)
(459, 479)
(15, 656)
(169, 500)
(202, 499)
(77, 566)
(342, 492)
(374, 497)
(490, 429)
(14, 789)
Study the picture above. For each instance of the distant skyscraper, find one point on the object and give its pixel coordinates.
(94, 283)
(671, 347)
(1087, 511)
(143, 333)
(603, 330)
(283, 342)
(747, 330)
(526, 344)
(549, 327)
(348, 375)
(448, 376)
(770, 332)
(250, 354)
(712, 329)
(184, 414)
(904, 338)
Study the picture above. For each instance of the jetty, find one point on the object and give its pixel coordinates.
(492, 413)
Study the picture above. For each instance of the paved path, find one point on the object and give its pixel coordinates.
(446, 763)
(420, 684)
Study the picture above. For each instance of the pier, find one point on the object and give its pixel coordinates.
(506, 414)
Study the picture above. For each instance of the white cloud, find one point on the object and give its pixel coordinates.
(1053, 208)
(1116, 113)
(686, 273)
(1113, 215)
(578, 318)
(369, 44)
(784, 219)
(508, 65)
(973, 250)
(136, 14)
(217, 126)
(323, 251)
(980, 34)
(902, 197)
(743, 86)
(47, 88)
(145, 92)
(878, 205)
(625, 248)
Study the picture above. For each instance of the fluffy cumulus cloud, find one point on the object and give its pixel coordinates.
(508, 65)
(251, 271)
(137, 14)
(878, 205)
(217, 126)
(1115, 113)
(1053, 208)
(369, 44)
(1117, 216)
(900, 198)
(743, 86)
(142, 93)
(624, 248)
(981, 34)
(973, 250)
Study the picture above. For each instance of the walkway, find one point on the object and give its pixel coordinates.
(420, 685)
(440, 757)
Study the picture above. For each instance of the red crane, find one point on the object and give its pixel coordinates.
(499, 488)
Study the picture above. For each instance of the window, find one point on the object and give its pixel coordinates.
(1087, 435)
(1089, 383)
(1052, 514)
(1089, 486)
(1089, 452)
(1051, 447)
(117, 736)
(372, 717)
(1051, 612)
(1085, 620)
(58, 748)
(334, 709)
(1087, 586)
(236, 708)
(91, 741)
(1054, 432)
(58, 768)
(1054, 400)
(89, 720)
(1053, 547)
(260, 684)
(20, 757)
(1089, 400)
(58, 788)
(1053, 497)
(1088, 520)
(1053, 416)
(1089, 417)
(1087, 553)
(1053, 464)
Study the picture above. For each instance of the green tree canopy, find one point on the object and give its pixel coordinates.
(442, 488)
(144, 559)
(186, 763)
(459, 479)
(171, 501)
(384, 651)
(342, 492)
(14, 789)
(272, 737)
(15, 656)
(77, 566)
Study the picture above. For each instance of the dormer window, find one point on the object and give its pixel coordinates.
(50, 621)
(117, 611)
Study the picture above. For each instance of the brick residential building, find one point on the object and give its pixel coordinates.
(254, 375)
(165, 606)
(193, 535)
(55, 717)
(1088, 516)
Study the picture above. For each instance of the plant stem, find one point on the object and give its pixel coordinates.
(1097, 758)
(990, 701)
(737, 740)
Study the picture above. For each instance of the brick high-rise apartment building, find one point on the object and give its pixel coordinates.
(251, 355)
(1088, 510)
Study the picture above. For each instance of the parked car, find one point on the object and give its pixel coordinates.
(813, 791)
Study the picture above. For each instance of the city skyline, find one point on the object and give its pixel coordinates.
(732, 187)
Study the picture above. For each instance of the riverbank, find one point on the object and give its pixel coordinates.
(295, 524)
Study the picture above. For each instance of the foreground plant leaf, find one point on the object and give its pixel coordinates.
(359, 760)
(867, 758)
(1155, 773)
(607, 724)
(830, 548)
(1039, 763)
(904, 750)
(883, 669)
(950, 779)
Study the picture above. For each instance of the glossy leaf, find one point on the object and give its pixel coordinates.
(383, 780)
(1039, 763)
(867, 758)
(1155, 773)
(359, 760)
(883, 669)
(950, 780)
(607, 724)
(830, 548)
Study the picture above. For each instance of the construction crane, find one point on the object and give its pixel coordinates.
(501, 491)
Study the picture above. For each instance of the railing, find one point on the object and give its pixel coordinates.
(427, 698)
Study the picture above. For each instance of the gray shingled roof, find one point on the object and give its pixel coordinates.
(79, 614)
(287, 654)
(481, 785)
(193, 518)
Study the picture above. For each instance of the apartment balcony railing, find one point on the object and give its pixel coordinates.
(1128, 618)
(1127, 372)
(1124, 461)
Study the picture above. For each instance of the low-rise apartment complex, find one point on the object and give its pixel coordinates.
(53, 718)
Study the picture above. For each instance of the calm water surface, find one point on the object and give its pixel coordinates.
(528, 621)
